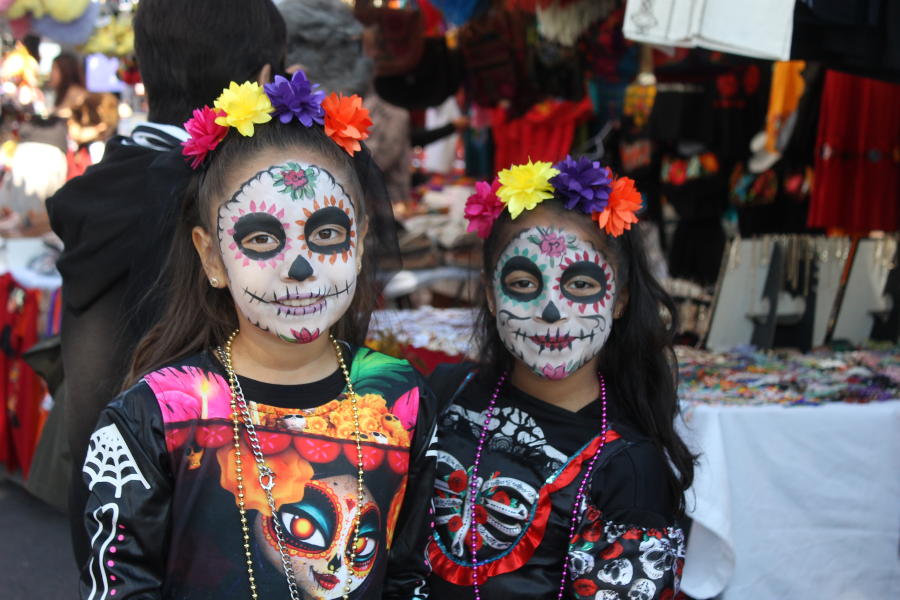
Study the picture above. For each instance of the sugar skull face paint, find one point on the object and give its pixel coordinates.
(318, 532)
(555, 294)
(288, 243)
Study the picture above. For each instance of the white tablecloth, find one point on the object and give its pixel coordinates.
(795, 502)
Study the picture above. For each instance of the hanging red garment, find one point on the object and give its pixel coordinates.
(23, 389)
(544, 133)
(857, 170)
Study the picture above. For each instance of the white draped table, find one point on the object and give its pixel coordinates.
(794, 502)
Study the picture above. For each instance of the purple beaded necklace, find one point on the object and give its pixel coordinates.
(473, 488)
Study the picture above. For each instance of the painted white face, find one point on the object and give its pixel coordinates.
(555, 294)
(318, 533)
(288, 241)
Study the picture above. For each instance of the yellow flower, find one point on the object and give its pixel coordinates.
(522, 187)
(244, 105)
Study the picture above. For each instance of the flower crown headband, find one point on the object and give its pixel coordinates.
(583, 185)
(242, 106)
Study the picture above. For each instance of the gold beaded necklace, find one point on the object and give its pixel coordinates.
(241, 413)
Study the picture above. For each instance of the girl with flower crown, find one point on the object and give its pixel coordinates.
(559, 472)
(261, 452)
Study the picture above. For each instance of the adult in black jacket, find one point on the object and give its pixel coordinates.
(117, 219)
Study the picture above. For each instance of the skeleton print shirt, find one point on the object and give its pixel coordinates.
(162, 514)
(626, 544)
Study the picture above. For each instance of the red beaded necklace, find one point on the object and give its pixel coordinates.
(473, 488)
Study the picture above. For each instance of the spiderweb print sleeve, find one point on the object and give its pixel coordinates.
(109, 460)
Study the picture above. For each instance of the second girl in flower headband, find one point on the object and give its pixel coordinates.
(261, 452)
(559, 472)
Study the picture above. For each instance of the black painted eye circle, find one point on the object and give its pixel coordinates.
(260, 236)
(327, 231)
(583, 282)
(521, 279)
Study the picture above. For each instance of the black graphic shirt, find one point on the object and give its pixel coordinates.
(163, 517)
(626, 542)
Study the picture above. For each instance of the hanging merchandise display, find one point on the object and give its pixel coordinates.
(857, 165)
(72, 33)
(544, 133)
(436, 77)
(757, 28)
(460, 12)
(397, 38)
(784, 98)
(565, 22)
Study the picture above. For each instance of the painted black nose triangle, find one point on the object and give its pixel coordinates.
(300, 269)
(551, 313)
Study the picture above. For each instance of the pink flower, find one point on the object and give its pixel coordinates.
(554, 372)
(483, 207)
(205, 134)
(187, 393)
(295, 178)
(553, 244)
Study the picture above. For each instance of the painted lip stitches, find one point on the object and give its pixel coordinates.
(296, 303)
(554, 341)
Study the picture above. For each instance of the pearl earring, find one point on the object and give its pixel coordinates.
(214, 282)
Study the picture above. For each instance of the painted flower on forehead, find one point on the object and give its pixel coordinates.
(525, 186)
(347, 122)
(205, 134)
(244, 105)
(296, 98)
(297, 181)
(482, 208)
(582, 184)
(619, 214)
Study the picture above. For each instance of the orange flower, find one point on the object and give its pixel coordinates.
(327, 408)
(317, 425)
(292, 472)
(346, 121)
(618, 215)
(375, 402)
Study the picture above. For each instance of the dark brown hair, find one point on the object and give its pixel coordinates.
(638, 359)
(71, 73)
(199, 317)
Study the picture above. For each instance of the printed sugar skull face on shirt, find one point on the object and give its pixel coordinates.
(554, 296)
(288, 241)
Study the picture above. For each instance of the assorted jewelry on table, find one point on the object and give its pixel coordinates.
(579, 496)
(240, 414)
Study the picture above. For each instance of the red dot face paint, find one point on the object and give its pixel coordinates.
(288, 242)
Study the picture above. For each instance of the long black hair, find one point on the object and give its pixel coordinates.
(199, 317)
(638, 359)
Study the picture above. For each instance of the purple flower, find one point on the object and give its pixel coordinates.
(297, 98)
(582, 184)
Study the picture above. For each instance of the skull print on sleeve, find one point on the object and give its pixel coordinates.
(288, 239)
(555, 295)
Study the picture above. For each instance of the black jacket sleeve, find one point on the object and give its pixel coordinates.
(408, 568)
(127, 513)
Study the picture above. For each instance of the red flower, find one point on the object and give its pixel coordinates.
(594, 532)
(455, 523)
(632, 534)
(655, 533)
(613, 551)
(457, 480)
(592, 513)
(205, 134)
(584, 587)
(501, 497)
(346, 121)
(678, 172)
(482, 208)
(481, 514)
(295, 178)
(618, 215)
